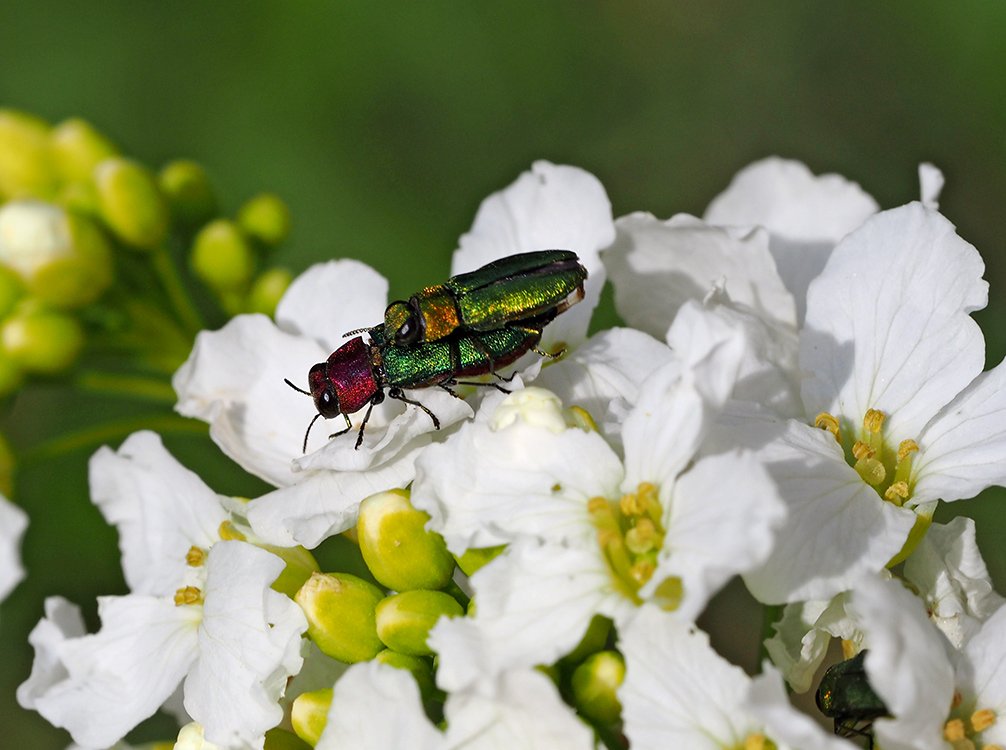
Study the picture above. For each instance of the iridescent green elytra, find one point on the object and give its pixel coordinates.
(503, 293)
(845, 695)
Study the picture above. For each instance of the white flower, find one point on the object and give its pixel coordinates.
(201, 610)
(592, 532)
(678, 692)
(13, 522)
(893, 373)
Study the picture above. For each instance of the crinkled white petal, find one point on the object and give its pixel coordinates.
(981, 673)
(721, 522)
(377, 707)
(888, 324)
(907, 665)
(963, 448)
(678, 692)
(249, 644)
(159, 507)
(332, 298)
(233, 379)
(657, 266)
(949, 573)
(930, 185)
(552, 206)
(484, 487)
(604, 375)
(62, 621)
(786, 198)
(525, 711)
(119, 676)
(534, 604)
(766, 700)
(324, 503)
(829, 508)
(13, 522)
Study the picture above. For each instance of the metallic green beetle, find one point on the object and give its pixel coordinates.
(505, 293)
(846, 696)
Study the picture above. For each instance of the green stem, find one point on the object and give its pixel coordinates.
(110, 432)
(126, 386)
(770, 614)
(165, 269)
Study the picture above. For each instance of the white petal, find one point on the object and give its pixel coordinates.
(525, 712)
(722, 522)
(949, 573)
(830, 508)
(13, 522)
(907, 665)
(324, 503)
(657, 266)
(159, 507)
(963, 448)
(678, 692)
(234, 380)
(329, 299)
(377, 707)
(484, 487)
(930, 185)
(786, 198)
(550, 207)
(984, 677)
(62, 621)
(888, 324)
(249, 644)
(119, 676)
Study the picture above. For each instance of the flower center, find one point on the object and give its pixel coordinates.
(630, 533)
(962, 733)
(887, 470)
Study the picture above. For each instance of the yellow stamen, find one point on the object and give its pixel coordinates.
(580, 417)
(826, 421)
(598, 506)
(848, 649)
(897, 493)
(861, 450)
(873, 422)
(982, 720)
(642, 570)
(907, 448)
(992, 747)
(629, 504)
(754, 742)
(188, 595)
(195, 557)
(642, 537)
(228, 532)
(953, 730)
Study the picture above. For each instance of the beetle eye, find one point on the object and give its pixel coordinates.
(408, 332)
(327, 404)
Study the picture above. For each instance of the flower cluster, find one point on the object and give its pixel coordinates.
(800, 386)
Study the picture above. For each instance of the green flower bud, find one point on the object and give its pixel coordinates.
(595, 683)
(81, 198)
(77, 148)
(11, 287)
(340, 610)
(266, 218)
(41, 341)
(397, 548)
(131, 205)
(63, 258)
(309, 714)
(404, 620)
(474, 559)
(11, 374)
(267, 290)
(222, 257)
(420, 667)
(594, 640)
(25, 163)
(281, 739)
(190, 195)
(300, 565)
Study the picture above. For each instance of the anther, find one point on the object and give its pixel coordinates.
(983, 719)
(195, 557)
(953, 730)
(897, 493)
(826, 421)
(907, 448)
(873, 422)
(188, 595)
(754, 741)
(861, 450)
(228, 532)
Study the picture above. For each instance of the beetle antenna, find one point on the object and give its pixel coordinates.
(368, 329)
(308, 431)
(299, 390)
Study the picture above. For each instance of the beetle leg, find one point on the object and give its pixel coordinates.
(363, 425)
(396, 393)
(349, 426)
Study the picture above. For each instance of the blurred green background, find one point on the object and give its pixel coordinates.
(384, 125)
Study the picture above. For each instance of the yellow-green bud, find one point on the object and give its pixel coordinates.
(397, 548)
(222, 257)
(266, 218)
(62, 257)
(11, 374)
(595, 683)
(340, 610)
(267, 290)
(190, 195)
(300, 565)
(77, 148)
(404, 620)
(25, 163)
(11, 286)
(41, 341)
(131, 205)
(593, 640)
(309, 714)
(420, 667)
(80, 197)
(281, 739)
(474, 559)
